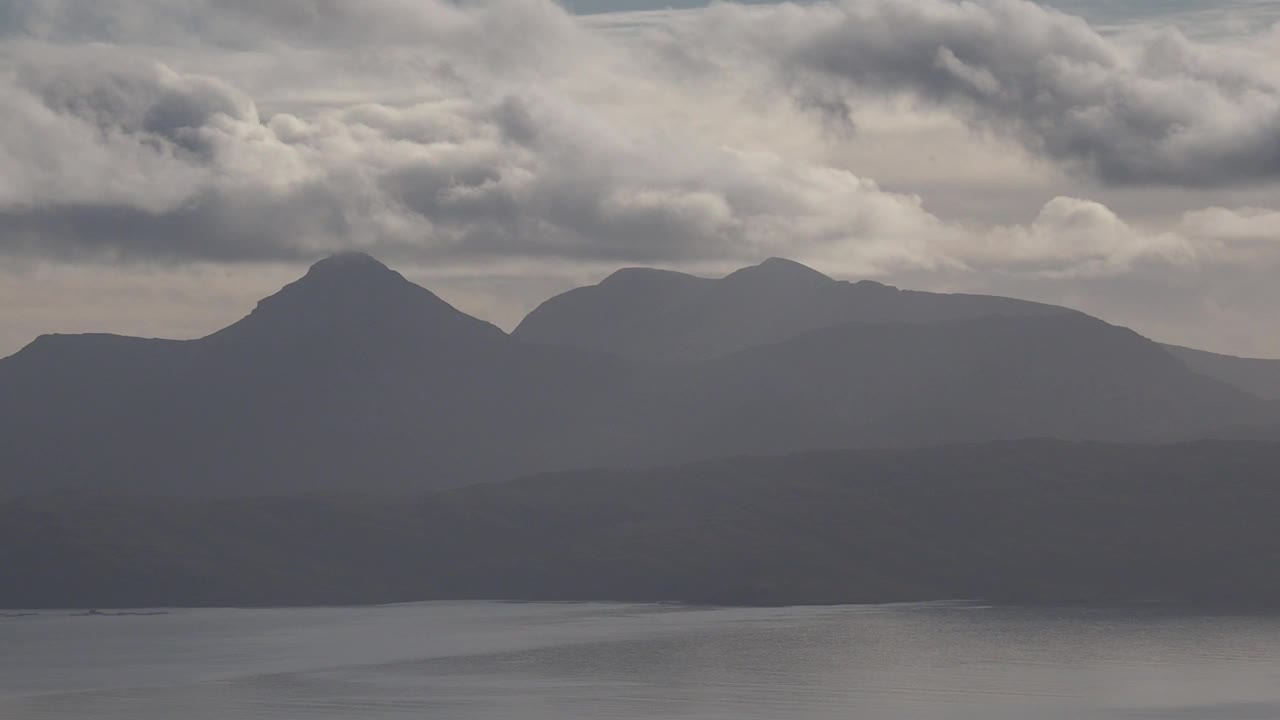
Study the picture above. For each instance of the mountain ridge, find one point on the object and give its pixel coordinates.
(685, 318)
(354, 378)
(1259, 376)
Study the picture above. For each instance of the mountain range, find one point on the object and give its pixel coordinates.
(665, 316)
(353, 379)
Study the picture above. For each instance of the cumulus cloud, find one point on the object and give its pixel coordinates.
(183, 166)
(1074, 237)
(179, 166)
(1158, 109)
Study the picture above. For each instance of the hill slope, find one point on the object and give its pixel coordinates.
(1065, 376)
(1026, 522)
(1256, 376)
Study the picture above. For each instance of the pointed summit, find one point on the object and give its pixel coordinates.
(350, 270)
(353, 294)
(780, 273)
(349, 263)
(346, 279)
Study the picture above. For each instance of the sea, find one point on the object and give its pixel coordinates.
(564, 661)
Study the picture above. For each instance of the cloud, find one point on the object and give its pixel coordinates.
(153, 161)
(178, 166)
(504, 31)
(119, 96)
(1156, 109)
(1243, 225)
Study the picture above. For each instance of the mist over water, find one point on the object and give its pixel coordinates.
(553, 661)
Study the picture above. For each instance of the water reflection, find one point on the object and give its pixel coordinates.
(491, 660)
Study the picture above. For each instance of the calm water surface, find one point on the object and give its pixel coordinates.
(566, 661)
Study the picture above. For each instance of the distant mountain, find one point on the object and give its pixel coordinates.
(663, 316)
(669, 317)
(1026, 522)
(353, 379)
(353, 298)
(1256, 376)
(870, 385)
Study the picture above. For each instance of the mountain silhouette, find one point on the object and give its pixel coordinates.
(671, 317)
(353, 379)
(352, 295)
(349, 378)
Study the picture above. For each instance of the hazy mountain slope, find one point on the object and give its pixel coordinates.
(350, 378)
(1066, 376)
(1256, 376)
(1026, 522)
(671, 317)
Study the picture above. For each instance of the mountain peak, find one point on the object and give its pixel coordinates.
(779, 270)
(353, 293)
(349, 276)
(651, 278)
(349, 263)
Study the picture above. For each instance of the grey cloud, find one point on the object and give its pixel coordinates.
(1168, 111)
(831, 108)
(439, 179)
(139, 98)
(508, 33)
(191, 172)
(513, 117)
(211, 226)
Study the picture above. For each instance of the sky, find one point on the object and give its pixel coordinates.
(166, 163)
